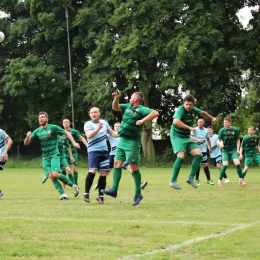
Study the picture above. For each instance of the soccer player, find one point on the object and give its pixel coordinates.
(47, 135)
(5, 144)
(74, 159)
(216, 155)
(229, 142)
(113, 144)
(201, 137)
(96, 131)
(250, 145)
(128, 148)
(63, 144)
(182, 126)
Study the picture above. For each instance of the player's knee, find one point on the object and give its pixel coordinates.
(54, 175)
(198, 157)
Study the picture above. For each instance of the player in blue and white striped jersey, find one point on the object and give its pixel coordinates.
(201, 136)
(96, 131)
(5, 144)
(216, 155)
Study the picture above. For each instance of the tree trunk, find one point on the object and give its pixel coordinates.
(147, 141)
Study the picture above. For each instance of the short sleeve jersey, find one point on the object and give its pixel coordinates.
(98, 142)
(3, 143)
(229, 138)
(63, 144)
(48, 138)
(76, 136)
(128, 128)
(113, 143)
(187, 117)
(201, 134)
(216, 151)
(250, 145)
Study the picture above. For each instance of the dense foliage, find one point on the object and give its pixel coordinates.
(162, 48)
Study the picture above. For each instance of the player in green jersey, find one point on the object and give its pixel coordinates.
(229, 142)
(183, 120)
(47, 135)
(63, 144)
(128, 148)
(73, 160)
(250, 146)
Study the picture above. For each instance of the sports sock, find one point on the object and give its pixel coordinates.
(198, 174)
(224, 175)
(64, 173)
(222, 170)
(102, 181)
(195, 165)
(116, 178)
(70, 176)
(207, 172)
(176, 169)
(65, 180)
(243, 174)
(89, 181)
(239, 171)
(137, 179)
(75, 177)
(57, 186)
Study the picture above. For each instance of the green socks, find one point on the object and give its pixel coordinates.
(222, 171)
(75, 177)
(65, 180)
(57, 186)
(116, 178)
(195, 165)
(239, 171)
(137, 180)
(70, 176)
(176, 169)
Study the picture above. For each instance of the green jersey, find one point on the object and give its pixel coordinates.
(229, 138)
(48, 138)
(128, 128)
(187, 117)
(63, 145)
(76, 135)
(250, 145)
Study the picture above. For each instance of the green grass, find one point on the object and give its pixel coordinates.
(204, 223)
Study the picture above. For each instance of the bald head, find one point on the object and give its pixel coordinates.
(94, 114)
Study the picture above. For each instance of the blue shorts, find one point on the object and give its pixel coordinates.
(111, 162)
(98, 160)
(217, 160)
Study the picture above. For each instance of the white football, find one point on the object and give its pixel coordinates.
(2, 36)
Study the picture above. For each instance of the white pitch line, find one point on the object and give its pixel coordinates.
(189, 242)
(148, 221)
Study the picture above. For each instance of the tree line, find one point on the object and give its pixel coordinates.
(162, 48)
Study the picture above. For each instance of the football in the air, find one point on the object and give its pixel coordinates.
(2, 36)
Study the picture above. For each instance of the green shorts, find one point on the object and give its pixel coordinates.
(182, 144)
(75, 156)
(63, 163)
(255, 160)
(226, 155)
(51, 164)
(130, 156)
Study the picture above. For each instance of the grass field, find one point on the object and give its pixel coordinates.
(204, 223)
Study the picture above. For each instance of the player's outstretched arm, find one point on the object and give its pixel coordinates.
(205, 114)
(68, 134)
(115, 103)
(149, 117)
(177, 122)
(27, 141)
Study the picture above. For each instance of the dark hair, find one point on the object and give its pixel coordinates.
(189, 98)
(228, 119)
(211, 127)
(43, 113)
